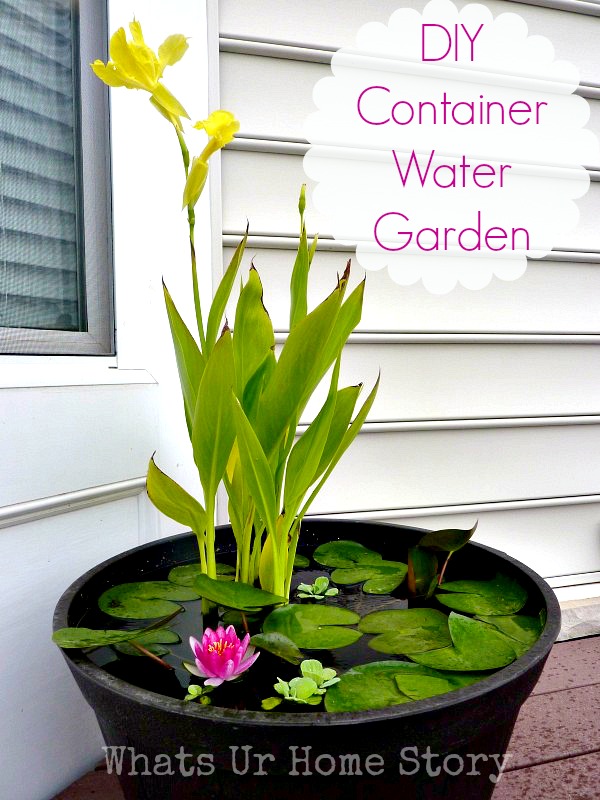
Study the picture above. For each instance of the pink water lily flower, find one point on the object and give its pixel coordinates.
(221, 656)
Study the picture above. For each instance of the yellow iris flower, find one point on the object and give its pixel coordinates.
(220, 127)
(136, 66)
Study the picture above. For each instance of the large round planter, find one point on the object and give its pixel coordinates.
(446, 747)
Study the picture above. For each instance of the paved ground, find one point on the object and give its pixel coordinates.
(555, 745)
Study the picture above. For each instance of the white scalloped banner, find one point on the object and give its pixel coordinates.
(448, 146)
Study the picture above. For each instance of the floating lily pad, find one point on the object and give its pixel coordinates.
(314, 627)
(186, 575)
(426, 682)
(241, 596)
(278, 645)
(301, 562)
(88, 637)
(476, 646)
(345, 553)
(411, 630)
(498, 597)
(380, 578)
(523, 631)
(153, 641)
(144, 600)
(366, 687)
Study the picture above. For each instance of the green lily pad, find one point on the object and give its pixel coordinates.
(366, 687)
(498, 597)
(380, 578)
(476, 646)
(88, 637)
(301, 562)
(411, 630)
(237, 595)
(425, 682)
(186, 575)
(278, 645)
(314, 627)
(153, 641)
(448, 540)
(523, 631)
(144, 600)
(345, 553)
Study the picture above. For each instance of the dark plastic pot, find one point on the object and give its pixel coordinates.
(389, 753)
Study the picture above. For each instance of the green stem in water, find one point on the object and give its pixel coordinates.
(211, 561)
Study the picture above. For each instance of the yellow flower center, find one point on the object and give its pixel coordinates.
(219, 647)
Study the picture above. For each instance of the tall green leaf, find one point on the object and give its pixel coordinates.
(299, 281)
(347, 440)
(306, 453)
(256, 468)
(221, 298)
(190, 361)
(253, 337)
(344, 408)
(170, 498)
(298, 371)
(213, 431)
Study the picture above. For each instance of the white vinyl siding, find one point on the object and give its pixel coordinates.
(489, 405)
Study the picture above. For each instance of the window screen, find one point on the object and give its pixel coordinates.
(49, 290)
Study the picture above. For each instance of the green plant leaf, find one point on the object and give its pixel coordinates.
(299, 369)
(190, 361)
(173, 501)
(153, 641)
(476, 646)
(88, 637)
(144, 599)
(498, 597)
(366, 687)
(422, 572)
(424, 683)
(411, 630)
(299, 281)
(236, 595)
(213, 431)
(187, 574)
(522, 631)
(314, 627)
(307, 452)
(345, 553)
(256, 384)
(344, 408)
(217, 309)
(257, 471)
(301, 562)
(345, 443)
(448, 540)
(279, 645)
(253, 337)
(380, 578)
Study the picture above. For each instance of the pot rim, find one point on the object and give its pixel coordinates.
(79, 662)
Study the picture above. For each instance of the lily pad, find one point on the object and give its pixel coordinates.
(523, 631)
(411, 630)
(380, 578)
(499, 597)
(448, 540)
(345, 553)
(278, 645)
(425, 682)
(153, 641)
(88, 637)
(476, 646)
(366, 687)
(314, 627)
(237, 595)
(187, 574)
(144, 600)
(301, 562)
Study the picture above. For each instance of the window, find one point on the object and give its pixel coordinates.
(55, 288)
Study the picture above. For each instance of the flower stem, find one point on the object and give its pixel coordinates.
(145, 652)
